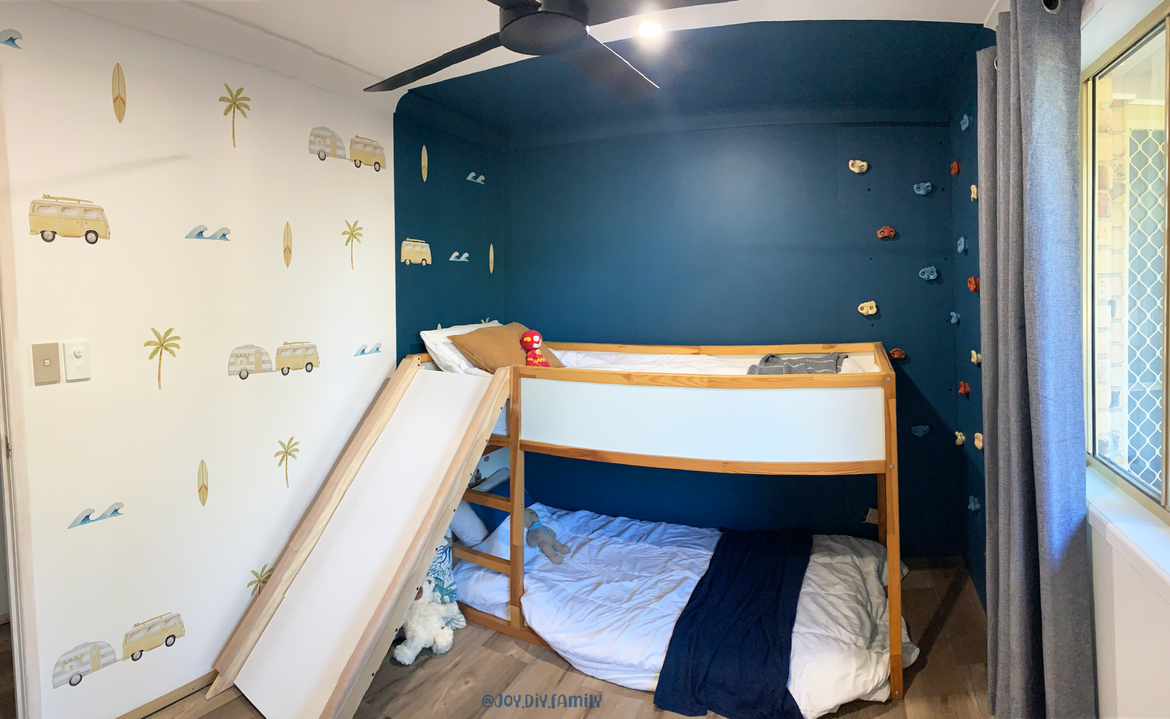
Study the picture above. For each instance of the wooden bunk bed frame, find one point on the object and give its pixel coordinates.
(886, 469)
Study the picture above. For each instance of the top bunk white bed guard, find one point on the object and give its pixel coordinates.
(696, 408)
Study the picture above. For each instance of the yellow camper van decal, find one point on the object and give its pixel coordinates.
(152, 634)
(415, 251)
(365, 150)
(68, 217)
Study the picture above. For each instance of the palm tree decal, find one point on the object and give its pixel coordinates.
(287, 453)
(160, 343)
(352, 235)
(235, 102)
(261, 578)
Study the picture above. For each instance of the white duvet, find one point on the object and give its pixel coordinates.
(610, 607)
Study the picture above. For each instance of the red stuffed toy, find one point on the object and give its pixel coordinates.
(531, 342)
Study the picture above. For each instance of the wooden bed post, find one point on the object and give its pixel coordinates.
(516, 498)
(892, 535)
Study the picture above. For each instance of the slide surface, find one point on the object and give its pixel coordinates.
(298, 660)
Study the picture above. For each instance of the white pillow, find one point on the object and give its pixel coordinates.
(467, 525)
(444, 353)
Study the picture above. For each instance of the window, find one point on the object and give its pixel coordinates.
(46, 210)
(1129, 261)
(73, 212)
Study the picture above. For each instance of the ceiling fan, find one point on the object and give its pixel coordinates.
(554, 27)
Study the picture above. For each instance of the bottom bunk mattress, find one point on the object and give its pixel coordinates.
(611, 606)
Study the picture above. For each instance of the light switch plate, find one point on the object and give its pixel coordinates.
(76, 361)
(46, 363)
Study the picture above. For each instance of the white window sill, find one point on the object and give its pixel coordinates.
(1132, 530)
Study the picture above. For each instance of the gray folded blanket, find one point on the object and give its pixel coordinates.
(829, 363)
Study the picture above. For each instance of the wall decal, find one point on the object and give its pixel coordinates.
(886, 233)
(965, 122)
(69, 217)
(287, 244)
(974, 193)
(954, 318)
(260, 578)
(976, 358)
(858, 166)
(491, 259)
(867, 308)
(81, 661)
(362, 351)
(979, 441)
(961, 246)
(118, 89)
(201, 482)
(964, 388)
(960, 438)
(456, 257)
(920, 430)
(897, 353)
(325, 143)
(973, 284)
(249, 359)
(955, 167)
(363, 149)
(424, 163)
(928, 273)
(416, 251)
(114, 510)
(236, 102)
(286, 454)
(476, 180)
(162, 343)
(152, 634)
(923, 188)
(9, 37)
(353, 235)
(485, 320)
(199, 232)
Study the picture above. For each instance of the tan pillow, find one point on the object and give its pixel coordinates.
(493, 347)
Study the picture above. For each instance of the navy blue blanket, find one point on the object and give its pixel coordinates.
(730, 648)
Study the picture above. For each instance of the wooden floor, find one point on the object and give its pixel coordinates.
(948, 682)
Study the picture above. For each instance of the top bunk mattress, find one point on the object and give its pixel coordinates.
(685, 364)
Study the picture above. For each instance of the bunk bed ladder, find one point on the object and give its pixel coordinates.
(513, 567)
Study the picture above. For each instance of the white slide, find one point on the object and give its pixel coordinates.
(342, 606)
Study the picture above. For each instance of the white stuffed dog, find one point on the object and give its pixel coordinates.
(426, 625)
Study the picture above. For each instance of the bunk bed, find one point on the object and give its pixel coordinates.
(717, 421)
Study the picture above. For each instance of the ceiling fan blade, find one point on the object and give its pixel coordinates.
(609, 70)
(441, 62)
(509, 4)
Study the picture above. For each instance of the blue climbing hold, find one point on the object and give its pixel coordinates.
(928, 273)
(920, 430)
(954, 318)
(923, 188)
(965, 122)
(961, 246)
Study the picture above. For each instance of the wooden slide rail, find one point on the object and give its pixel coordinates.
(391, 610)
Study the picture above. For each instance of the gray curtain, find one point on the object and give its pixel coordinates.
(1040, 632)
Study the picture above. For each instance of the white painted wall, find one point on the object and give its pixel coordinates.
(1104, 22)
(1131, 598)
(117, 438)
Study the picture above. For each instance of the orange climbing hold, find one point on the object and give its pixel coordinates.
(973, 284)
(955, 167)
(886, 233)
(964, 388)
(897, 354)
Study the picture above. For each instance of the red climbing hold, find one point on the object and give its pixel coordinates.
(955, 167)
(973, 284)
(964, 388)
(897, 354)
(886, 233)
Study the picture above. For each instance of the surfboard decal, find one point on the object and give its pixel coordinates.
(118, 87)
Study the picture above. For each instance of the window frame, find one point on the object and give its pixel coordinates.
(1159, 18)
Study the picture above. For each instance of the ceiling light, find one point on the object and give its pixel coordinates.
(650, 29)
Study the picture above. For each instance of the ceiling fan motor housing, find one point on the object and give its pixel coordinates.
(557, 27)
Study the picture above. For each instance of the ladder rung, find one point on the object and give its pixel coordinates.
(498, 440)
(487, 500)
(483, 559)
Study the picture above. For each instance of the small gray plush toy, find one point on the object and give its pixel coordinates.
(541, 536)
